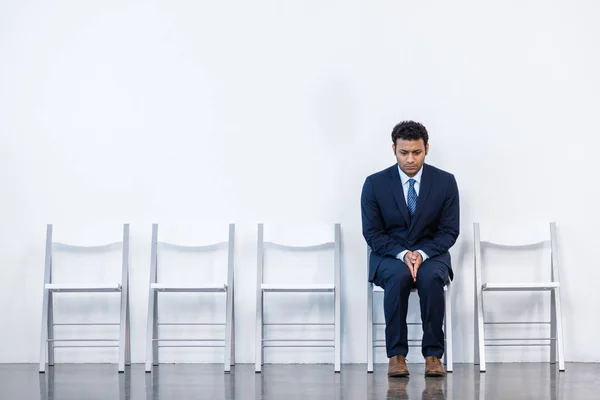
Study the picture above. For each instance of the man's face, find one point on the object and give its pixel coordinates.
(410, 155)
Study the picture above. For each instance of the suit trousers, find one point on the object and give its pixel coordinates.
(396, 280)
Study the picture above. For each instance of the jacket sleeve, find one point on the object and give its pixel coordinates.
(372, 224)
(449, 226)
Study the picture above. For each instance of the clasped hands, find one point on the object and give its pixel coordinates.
(413, 260)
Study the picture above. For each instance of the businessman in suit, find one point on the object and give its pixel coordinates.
(410, 217)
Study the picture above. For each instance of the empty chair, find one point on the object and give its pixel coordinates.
(52, 287)
(373, 343)
(334, 243)
(551, 284)
(158, 283)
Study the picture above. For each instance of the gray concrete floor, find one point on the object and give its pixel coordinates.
(288, 382)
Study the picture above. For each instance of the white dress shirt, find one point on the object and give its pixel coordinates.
(405, 186)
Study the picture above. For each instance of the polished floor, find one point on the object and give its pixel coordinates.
(288, 382)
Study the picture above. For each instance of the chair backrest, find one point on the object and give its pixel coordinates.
(72, 247)
(527, 241)
(312, 240)
(187, 268)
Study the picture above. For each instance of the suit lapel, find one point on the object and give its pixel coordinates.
(425, 188)
(396, 188)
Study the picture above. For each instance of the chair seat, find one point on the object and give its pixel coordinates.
(298, 288)
(168, 287)
(82, 288)
(517, 287)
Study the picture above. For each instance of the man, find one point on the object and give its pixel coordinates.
(410, 217)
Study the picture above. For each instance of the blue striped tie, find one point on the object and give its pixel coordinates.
(412, 197)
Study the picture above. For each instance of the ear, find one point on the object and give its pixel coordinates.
(394, 148)
(426, 148)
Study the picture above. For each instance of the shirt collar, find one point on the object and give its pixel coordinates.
(405, 177)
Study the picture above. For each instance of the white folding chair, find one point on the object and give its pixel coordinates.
(51, 288)
(372, 343)
(156, 286)
(333, 288)
(552, 285)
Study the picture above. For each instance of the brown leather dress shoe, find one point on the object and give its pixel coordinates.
(397, 366)
(434, 367)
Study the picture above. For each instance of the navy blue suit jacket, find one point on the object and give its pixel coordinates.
(388, 227)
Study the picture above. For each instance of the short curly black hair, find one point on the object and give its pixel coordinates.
(410, 130)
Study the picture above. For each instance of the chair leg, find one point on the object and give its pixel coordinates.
(155, 331)
(476, 334)
(258, 342)
(480, 332)
(128, 333)
(448, 331)
(476, 331)
(370, 327)
(233, 328)
(123, 328)
(559, 331)
(50, 329)
(149, 331)
(44, 332)
(337, 327)
(228, 326)
(553, 331)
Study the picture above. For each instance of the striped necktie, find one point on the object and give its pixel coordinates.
(411, 201)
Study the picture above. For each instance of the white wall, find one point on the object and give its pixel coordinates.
(267, 111)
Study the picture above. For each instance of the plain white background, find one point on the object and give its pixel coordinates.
(270, 111)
